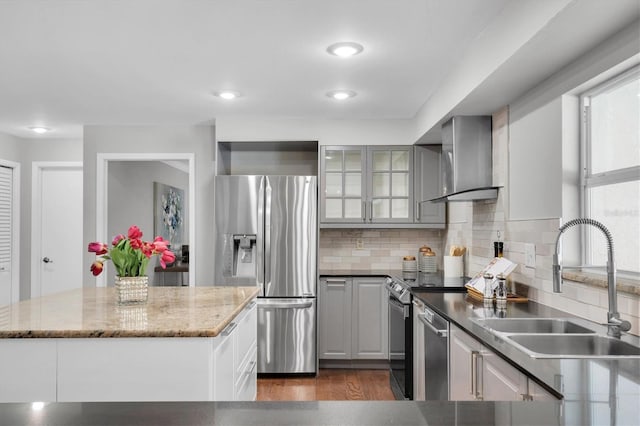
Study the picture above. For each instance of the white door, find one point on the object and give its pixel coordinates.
(57, 250)
(9, 226)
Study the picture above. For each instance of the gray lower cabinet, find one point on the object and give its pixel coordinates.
(353, 318)
(334, 318)
(477, 373)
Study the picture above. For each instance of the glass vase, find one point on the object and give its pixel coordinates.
(132, 289)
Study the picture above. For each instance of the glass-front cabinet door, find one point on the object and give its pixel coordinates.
(390, 194)
(343, 187)
(367, 184)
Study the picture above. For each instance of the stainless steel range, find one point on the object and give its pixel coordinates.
(400, 287)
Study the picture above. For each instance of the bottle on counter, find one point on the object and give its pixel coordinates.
(501, 291)
(488, 287)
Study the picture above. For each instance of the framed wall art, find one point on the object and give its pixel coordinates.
(168, 213)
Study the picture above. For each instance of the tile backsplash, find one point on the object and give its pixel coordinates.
(476, 225)
(380, 248)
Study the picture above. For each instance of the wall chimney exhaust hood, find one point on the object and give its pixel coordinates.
(466, 160)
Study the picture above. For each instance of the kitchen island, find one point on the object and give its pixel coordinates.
(183, 344)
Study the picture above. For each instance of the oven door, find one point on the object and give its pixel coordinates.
(400, 361)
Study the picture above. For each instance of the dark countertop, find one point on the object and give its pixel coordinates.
(428, 281)
(357, 272)
(292, 413)
(580, 381)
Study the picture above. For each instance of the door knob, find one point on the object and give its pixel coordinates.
(47, 260)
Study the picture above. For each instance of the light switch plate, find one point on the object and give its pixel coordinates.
(530, 255)
(359, 244)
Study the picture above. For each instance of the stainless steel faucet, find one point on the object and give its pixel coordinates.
(614, 323)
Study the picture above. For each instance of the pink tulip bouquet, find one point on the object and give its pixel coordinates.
(130, 255)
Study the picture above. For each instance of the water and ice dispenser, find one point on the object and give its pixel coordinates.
(240, 255)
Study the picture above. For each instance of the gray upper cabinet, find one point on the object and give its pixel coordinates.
(366, 186)
(428, 185)
(380, 186)
(343, 184)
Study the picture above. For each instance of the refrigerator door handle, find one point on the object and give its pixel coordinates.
(260, 241)
(298, 305)
(267, 235)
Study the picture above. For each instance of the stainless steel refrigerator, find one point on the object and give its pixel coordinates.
(266, 235)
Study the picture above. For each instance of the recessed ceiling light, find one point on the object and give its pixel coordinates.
(228, 94)
(345, 49)
(39, 130)
(341, 95)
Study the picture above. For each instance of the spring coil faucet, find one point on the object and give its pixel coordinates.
(614, 323)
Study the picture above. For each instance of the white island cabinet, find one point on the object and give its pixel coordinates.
(184, 344)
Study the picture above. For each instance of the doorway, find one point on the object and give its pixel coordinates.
(107, 160)
(56, 227)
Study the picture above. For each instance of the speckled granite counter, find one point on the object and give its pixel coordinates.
(578, 381)
(94, 312)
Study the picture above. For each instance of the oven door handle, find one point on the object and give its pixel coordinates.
(439, 333)
(393, 303)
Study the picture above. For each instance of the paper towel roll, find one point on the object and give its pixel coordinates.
(453, 266)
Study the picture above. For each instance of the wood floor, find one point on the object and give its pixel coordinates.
(328, 385)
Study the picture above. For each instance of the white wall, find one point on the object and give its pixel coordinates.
(163, 139)
(26, 151)
(131, 202)
(10, 147)
(326, 132)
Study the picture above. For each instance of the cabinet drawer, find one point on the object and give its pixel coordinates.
(246, 337)
(246, 386)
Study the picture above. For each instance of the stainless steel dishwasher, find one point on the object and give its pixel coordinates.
(436, 356)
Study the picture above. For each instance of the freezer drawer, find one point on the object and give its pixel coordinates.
(287, 335)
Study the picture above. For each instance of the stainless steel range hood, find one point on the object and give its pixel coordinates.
(466, 164)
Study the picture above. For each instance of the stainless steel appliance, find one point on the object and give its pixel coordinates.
(266, 235)
(436, 355)
(400, 341)
(466, 162)
(401, 354)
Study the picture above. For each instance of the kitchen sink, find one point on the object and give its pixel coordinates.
(573, 346)
(532, 325)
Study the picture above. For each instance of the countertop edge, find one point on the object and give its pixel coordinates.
(534, 370)
(120, 333)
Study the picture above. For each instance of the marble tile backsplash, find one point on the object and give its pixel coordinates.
(381, 248)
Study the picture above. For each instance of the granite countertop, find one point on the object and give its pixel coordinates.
(94, 312)
(576, 380)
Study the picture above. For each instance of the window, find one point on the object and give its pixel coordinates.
(611, 170)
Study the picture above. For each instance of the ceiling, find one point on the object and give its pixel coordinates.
(70, 63)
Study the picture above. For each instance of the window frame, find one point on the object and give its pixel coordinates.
(589, 180)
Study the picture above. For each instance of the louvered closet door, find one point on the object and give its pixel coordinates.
(6, 198)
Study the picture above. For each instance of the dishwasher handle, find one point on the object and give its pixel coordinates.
(440, 333)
